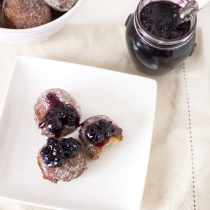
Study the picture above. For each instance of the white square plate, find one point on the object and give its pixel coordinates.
(113, 182)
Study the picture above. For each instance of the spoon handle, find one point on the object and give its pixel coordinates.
(191, 8)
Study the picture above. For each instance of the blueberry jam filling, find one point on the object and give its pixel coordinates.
(58, 115)
(160, 20)
(55, 153)
(100, 132)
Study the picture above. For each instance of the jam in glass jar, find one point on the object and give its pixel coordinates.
(155, 42)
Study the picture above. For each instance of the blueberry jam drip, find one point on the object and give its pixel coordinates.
(100, 132)
(58, 115)
(55, 153)
(160, 20)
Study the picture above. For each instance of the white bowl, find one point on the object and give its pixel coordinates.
(37, 34)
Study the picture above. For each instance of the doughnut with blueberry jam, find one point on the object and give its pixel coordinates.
(61, 160)
(57, 113)
(97, 132)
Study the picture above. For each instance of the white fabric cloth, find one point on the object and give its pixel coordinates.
(178, 172)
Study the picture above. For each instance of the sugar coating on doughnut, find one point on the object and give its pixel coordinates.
(42, 106)
(61, 5)
(70, 169)
(22, 14)
(92, 149)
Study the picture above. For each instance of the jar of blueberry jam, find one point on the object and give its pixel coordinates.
(156, 40)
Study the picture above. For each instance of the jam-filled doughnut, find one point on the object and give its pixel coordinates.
(97, 132)
(61, 5)
(61, 160)
(22, 14)
(57, 113)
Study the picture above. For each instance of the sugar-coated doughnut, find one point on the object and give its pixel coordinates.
(97, 132)
(22, 14)
(57, 113)
(61, 160)
(61, 5)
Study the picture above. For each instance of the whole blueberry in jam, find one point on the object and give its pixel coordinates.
(68, 116)
(55, 152)
(100, 131)
(58, 115)
(71, 147)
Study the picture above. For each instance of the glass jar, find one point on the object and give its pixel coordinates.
(153, 55)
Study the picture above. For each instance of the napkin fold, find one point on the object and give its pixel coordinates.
(178, 168)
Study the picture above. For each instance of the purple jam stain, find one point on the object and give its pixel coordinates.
(101, 131)
(59, 114)
(54, 101)
(117, 131)
(160, 20)
(81, 124)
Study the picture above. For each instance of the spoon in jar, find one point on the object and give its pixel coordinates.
(190, 9)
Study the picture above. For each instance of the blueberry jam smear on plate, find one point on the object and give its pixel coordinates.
(160, 20)
(55, 152)
(100, 132)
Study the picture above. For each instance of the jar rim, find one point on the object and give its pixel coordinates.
(171, 42)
